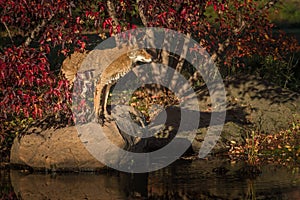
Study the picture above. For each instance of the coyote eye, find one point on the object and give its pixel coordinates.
(132, 54)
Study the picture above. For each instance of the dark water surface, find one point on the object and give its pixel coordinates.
(200, 179)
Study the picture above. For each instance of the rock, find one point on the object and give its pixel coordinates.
(61, 149)
(252, 105)
(268, 107)
(231, 132)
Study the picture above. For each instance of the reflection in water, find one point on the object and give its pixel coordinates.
(182, 180)
(196, 181)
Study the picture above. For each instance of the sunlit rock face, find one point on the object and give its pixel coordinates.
(61, 149)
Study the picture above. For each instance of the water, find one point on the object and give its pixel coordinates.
(200, 179)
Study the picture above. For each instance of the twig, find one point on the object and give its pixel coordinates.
(8, 31)
(37, 30)
(112, 12)
(142, 16)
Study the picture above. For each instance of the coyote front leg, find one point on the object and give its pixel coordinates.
(100, 102)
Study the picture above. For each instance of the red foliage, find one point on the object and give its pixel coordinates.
(27, 87)
(30, 89)
(50, 23)
(242, 24)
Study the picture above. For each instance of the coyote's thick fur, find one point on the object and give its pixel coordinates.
(111, 74)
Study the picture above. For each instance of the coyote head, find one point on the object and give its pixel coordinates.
(140, 55)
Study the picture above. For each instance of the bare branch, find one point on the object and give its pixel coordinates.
(37, 29)
(9, 34)
(141, 14)
(112, 12)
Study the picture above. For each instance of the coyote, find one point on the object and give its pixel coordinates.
(112, 74)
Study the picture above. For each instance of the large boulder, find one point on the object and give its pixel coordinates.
(63, 149)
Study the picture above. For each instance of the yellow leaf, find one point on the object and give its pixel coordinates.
(266, 36)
